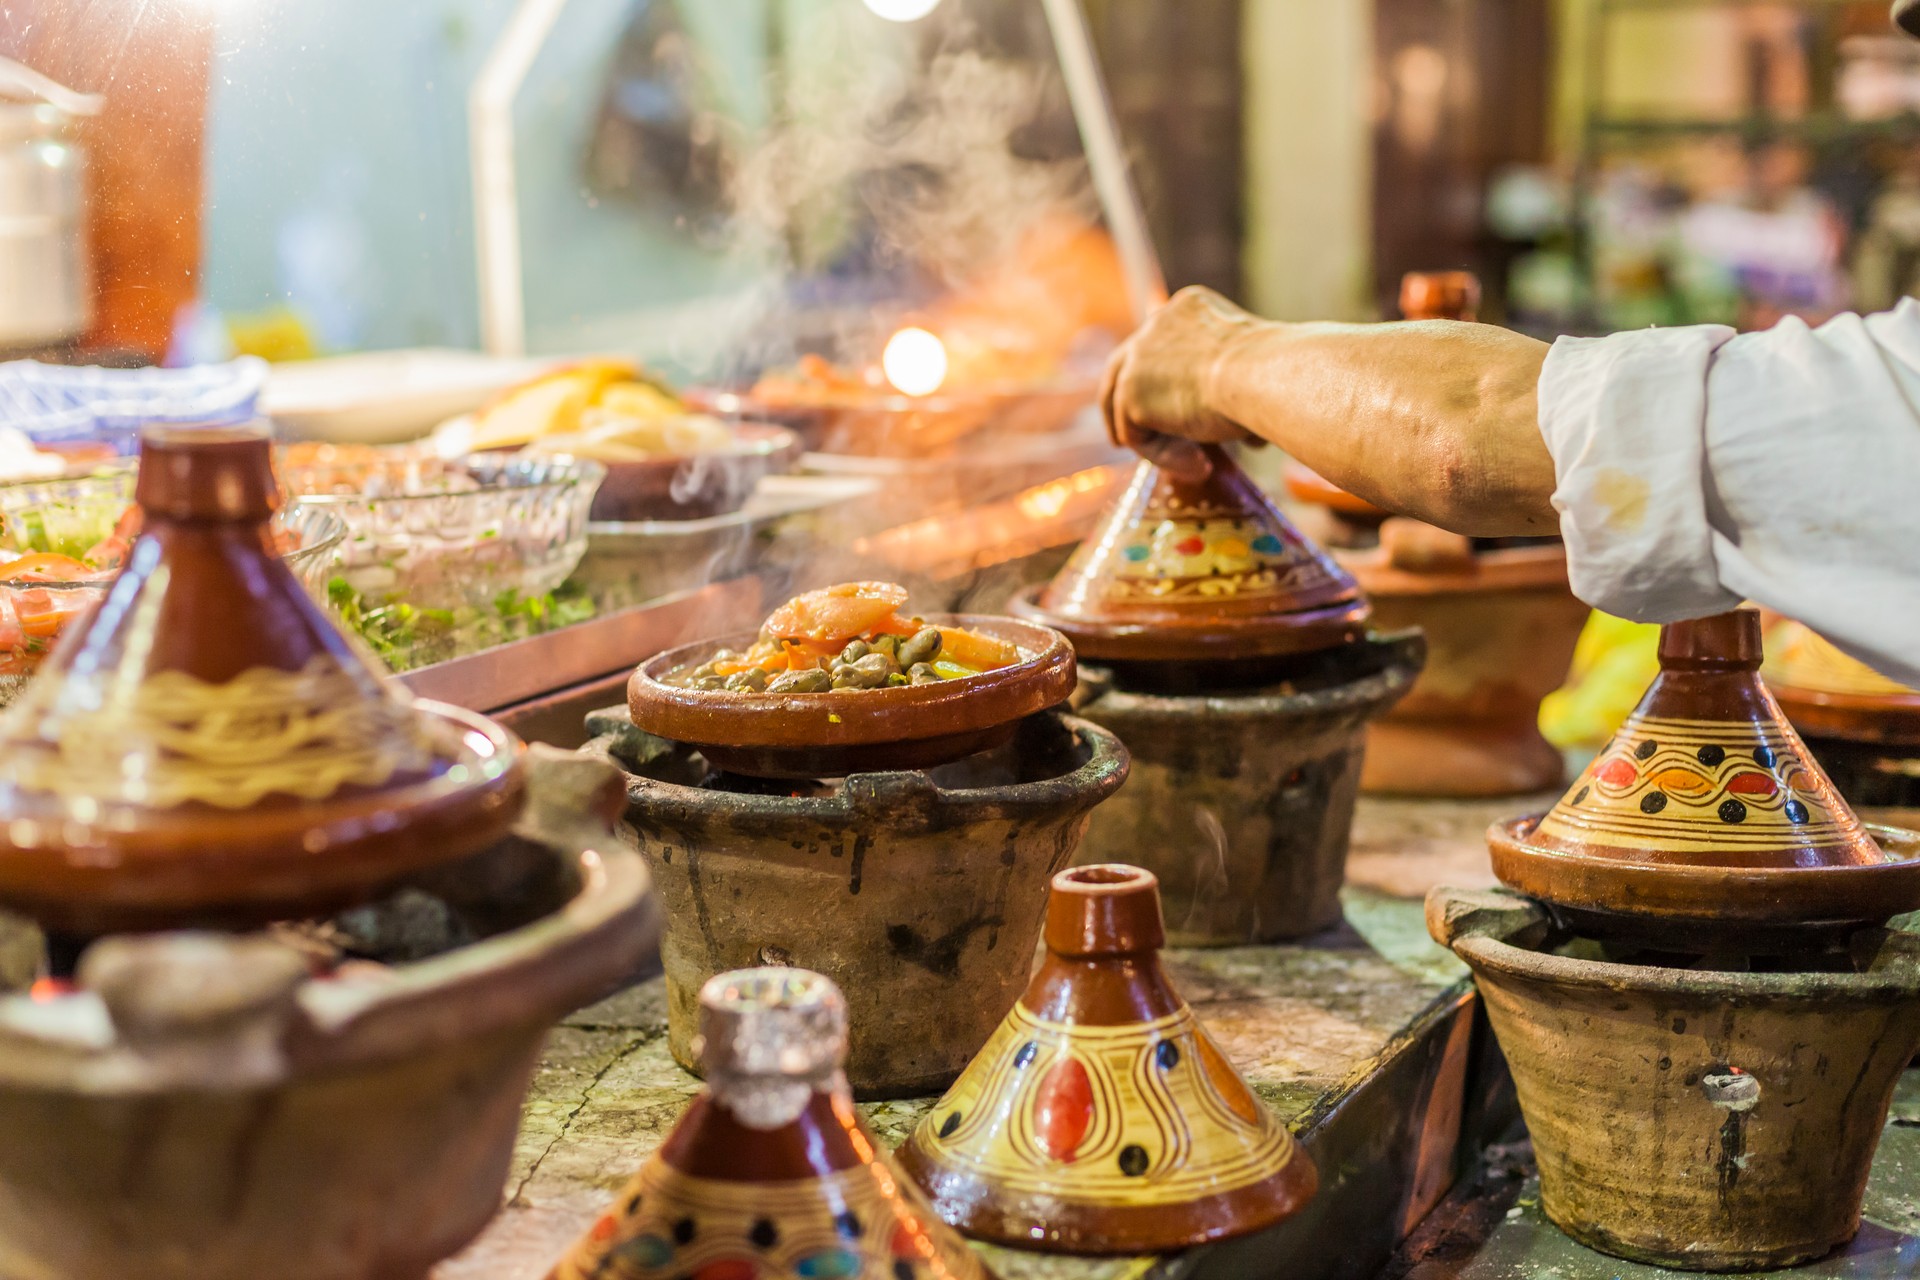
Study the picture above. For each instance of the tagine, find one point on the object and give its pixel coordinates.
(839, 681)
(206, 748)
(1101, 1117)
(770, 1171)
(1233, 656)
(1707, 816)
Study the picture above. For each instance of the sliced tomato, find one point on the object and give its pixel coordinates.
(44, 566)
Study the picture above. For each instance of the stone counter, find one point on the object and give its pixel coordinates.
(1350, 1037)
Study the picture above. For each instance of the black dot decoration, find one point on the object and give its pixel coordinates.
(633, 1204)
(902, 1269)
(1133, 1161)
(1646, 749)
(764, 1234)
(683, 1231)
(1653, 802)
(948, 1125)
(1711, 756)
(1797, 813)
(1581, 794)
(1026, 1055)
(848, 1225)
(1167, 1054)
(1763, 756)
(1732, 811)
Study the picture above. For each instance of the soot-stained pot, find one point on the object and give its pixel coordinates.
(770, 1171)
(919, 894)
(1682, 1117)
(203, 1109)
(1101, 1117)
(1706, 818)
(1241, 801)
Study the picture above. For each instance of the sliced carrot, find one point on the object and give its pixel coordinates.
(44, 566)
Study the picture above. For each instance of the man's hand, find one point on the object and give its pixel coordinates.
(1155, 395)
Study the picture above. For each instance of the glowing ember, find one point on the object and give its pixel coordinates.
(915, 362)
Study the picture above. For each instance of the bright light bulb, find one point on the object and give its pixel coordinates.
(903, 10)
(915, 362)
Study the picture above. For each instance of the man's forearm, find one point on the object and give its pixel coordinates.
(1442, 411)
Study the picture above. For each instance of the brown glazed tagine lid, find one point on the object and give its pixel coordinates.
(1707, 809)
(208, 749)
(770, 1171)
(1186, 571)
(1830, 695)
(1101, 1117)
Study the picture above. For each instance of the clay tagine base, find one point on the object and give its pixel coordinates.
(1686, 1117)
(1101, 1117)
(831, 735)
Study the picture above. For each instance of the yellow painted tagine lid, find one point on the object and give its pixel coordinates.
(1101, 1117)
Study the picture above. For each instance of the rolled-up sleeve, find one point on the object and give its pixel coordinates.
(1697, 469)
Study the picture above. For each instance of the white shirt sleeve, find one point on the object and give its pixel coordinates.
(1698, 468)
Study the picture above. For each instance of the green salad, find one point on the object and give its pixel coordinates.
(406, 637)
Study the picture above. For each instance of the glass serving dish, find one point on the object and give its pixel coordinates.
(466, 535)
(47, 525)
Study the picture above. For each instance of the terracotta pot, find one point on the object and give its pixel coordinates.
(224, 1116)
(1707, 813)
(770, 1171)
(919, 894)
(1862, 727)
(1501, 631)
(1241, 802)
(1101, 1117)
(1208, 570)
(261, 767)
(1689, 1118)
(829, 735)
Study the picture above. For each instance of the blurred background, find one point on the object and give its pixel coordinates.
(293, 179)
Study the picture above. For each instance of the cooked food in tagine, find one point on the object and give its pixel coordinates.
(850, 636)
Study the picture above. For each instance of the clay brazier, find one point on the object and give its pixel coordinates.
(919, 894)
(770, 1171)
(1101, 1117)
(1683, 1117)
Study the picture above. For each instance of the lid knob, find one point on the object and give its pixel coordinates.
(216, 474)
(1724, 642)
(1107, 910)
(1440, 295)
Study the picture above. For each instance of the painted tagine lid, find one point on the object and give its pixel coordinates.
(207, 748)
(770, 1172)
(1181, 570)
(1708, 806)
(1831, 695)
(1101, 1117)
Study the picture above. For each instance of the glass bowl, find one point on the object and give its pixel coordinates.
(486, 528)
(70, 517)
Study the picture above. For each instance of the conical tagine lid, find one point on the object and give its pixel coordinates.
(1704, 793)
(1830, 695)
(208, 748)
(1101, 1117)
(770, 1172)
(1179, 570)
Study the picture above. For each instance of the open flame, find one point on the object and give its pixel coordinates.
(915, 362)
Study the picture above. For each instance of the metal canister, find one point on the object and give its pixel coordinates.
(46, 294)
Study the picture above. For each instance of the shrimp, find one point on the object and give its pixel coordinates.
(840, 613)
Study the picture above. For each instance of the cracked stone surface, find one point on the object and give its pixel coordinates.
(1299, 1021)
